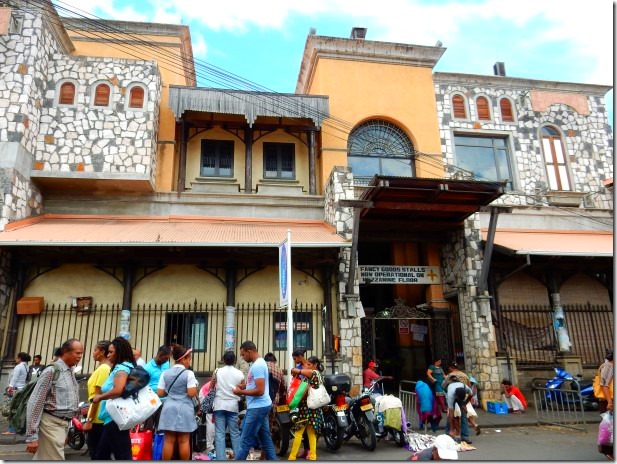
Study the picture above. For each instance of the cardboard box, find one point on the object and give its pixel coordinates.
(31, 305)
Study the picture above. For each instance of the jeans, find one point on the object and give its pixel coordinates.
(464, 424)
(222, 420)
(256, 424)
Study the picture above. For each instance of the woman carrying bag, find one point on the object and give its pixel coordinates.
(113, 440)
(308, 419)
(177, 419)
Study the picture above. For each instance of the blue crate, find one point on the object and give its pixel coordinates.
(496, 407)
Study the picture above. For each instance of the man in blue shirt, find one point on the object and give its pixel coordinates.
(156, 367)
(256, 422)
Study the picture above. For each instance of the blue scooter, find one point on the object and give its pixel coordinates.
(554, 396)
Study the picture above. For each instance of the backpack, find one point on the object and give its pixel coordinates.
(19, 405)
(273, 384)
(138, 378)
(597, 388)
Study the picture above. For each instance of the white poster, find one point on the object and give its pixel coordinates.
(399, 275)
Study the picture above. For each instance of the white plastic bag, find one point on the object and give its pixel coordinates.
(317, 397)
(129, 412)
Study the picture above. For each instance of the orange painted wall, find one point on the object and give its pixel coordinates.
(359, 90)
(171, 74)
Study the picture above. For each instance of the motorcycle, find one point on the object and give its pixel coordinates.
(361, 418)
(281, 423)
(76, 438)
(335, 413)
(381, 430)
(555, 396)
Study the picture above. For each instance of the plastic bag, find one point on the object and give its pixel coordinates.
(605, 431)
(157, 446)
(127, 413)
(297, 390)
(141, 445)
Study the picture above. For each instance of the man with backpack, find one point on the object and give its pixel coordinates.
(52, 404)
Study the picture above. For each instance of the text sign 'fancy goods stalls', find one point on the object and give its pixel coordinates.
(399, 275)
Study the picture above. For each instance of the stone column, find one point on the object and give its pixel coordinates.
(230, 328)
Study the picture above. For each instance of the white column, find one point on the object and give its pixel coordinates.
(230, 328)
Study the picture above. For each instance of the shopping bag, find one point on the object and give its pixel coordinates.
(317, 397)
(141, 445)
(207, 405)
(129, 412)
(298, 394)
(157, 446)
(605, 431)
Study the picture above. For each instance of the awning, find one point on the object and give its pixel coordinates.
(554, 242)
(100, 231)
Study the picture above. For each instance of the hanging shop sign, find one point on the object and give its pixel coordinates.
(399, 275)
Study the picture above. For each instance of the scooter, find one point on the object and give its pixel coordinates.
(361, 418)
(335, 413)
(76, 438)
(381, 430)
(555, 396)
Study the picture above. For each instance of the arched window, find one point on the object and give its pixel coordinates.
(484, 112)
(555, 159)
(67, 94)
(102, 94)
(505, 106)
(137, 97)
(459, 109)
(379, 147)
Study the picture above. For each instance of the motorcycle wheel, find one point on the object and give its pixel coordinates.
(76, 441)
(399, 437)
(366, 433)
(280, 437)
(332, 434)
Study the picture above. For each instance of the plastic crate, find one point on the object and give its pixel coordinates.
(497, 407)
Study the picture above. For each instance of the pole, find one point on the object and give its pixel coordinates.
(290, 326)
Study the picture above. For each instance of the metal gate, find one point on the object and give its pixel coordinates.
(562, 407)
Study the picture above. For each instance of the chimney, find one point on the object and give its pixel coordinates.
(358, 33)
(312, 31)
(499, 68)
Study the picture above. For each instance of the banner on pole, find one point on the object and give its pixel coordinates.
(284, 274)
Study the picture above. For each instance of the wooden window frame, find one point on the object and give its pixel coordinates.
(454, 108)
(555, 164)
(129, 99)
(279, 154)
(96, 96)
(483, 114)
(219, 147)
(61, 98)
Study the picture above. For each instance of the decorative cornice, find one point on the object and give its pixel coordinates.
(362, 50)
(505, 82)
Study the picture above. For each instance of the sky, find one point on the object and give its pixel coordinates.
(263, 40)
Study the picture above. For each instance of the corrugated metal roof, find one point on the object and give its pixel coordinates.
(73, 230)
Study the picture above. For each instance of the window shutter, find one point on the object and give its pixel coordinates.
(67, 94)
(505, 106)
(458, 107)
(136, 98)
(482, 106)
(101, 95)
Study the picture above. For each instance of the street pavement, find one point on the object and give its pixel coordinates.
(528, 443)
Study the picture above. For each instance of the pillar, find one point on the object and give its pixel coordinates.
(248, 164)
(311, 156)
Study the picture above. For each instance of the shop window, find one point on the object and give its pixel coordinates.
(379, 147)
(505, 106)
(487, 158)
(67, 94)
(279, 162)
(484, 111)
(555, 160)
(459, 108)
(217, 158)
(137, 97)
(303, 330)
(188, 329)
(102, 95)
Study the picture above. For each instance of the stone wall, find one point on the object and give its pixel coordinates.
(588, 140)
(350, 312)
(461, 265)
(20, 198)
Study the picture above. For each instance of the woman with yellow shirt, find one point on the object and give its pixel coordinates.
(94, 426)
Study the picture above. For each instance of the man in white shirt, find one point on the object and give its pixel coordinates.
(225, 380)
(138, 359)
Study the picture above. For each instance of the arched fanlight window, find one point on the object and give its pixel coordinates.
(505, 106)
(459, 109)
(136, 97)
(379, 147)
(555, 159)
(484, 112)
(102, 93)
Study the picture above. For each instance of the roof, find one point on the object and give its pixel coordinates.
(438, 201)
(554, 242)
(78, 230)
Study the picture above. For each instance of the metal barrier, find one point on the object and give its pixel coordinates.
(562, 407)
(407, 395)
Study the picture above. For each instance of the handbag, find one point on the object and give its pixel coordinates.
(207, 405)
(295, 396)
(157, 446)
(317, 397)
(128, 412)
(141, 445)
